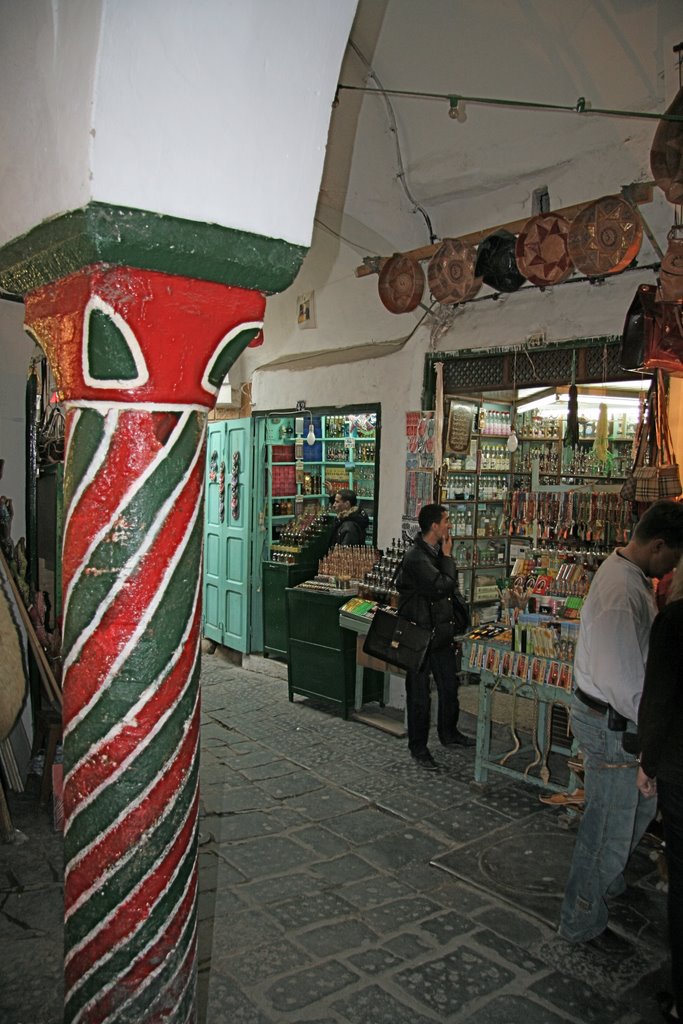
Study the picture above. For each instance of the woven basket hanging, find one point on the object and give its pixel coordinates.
(496, 262)
(605, 237)
(542, 250)
(450, 273)
(666, 155)
(401, 284)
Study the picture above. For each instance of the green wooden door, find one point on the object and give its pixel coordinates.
(226, 533)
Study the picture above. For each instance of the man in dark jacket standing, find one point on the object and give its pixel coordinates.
(352, 521)
(426, 584)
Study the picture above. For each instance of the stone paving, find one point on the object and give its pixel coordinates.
(319, 901)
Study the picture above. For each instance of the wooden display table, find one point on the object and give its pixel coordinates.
(543, 695)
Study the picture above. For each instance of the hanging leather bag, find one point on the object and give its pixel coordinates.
(671, 269)
(661, 478)
(640, 327)
(628, 489)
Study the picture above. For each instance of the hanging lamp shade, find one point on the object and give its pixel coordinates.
(605, 237)
(401, 284)
(542, 250)
(496, 262)
(666, 155)
(450, 273)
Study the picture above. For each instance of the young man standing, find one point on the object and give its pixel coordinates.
(609, 670)
(426, 583)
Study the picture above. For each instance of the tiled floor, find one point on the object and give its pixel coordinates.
(319, 901)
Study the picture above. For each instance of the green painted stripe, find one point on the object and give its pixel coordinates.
(232, 351)
(129, 950)
(120, 884)
(123, 236)
(108, 352)
(112, 801)
(148, 659)
(117, 547)
(86, 439)
(159, 991)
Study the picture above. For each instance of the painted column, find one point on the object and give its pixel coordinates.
(138, 356)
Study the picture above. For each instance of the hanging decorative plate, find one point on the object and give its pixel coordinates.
(541, 250)
(605, 237)
(666, 155)
(451, 272)
(496, 262)
(401, 284)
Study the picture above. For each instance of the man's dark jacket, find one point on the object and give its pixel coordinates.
(350, 529)
(426, 584)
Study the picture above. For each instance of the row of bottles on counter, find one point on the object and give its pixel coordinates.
(379, 584)
(292, 537)
(461, 488)
(365, 451)
(336, 426)
(494, 421)
(489, 523)
(495, 456)
(348, 562)
(586, 463)
(477, 556)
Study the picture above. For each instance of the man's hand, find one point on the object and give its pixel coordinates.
(447, 545)
(646, 785)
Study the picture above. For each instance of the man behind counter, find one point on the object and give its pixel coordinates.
(352, 522)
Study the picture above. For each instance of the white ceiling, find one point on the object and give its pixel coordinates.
(467, 176)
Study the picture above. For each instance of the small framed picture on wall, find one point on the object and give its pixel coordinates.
(305, 310)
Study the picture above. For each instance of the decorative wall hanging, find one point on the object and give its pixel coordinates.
(401, 284)
(235, 486)
(542, 250)
(451, 274)
(605, 237)
(666, 155)
(221, 493)
(213, 467)
(496, 262)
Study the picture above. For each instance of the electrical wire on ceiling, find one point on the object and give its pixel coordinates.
(342, 238)
(393, 127)
(582, 105)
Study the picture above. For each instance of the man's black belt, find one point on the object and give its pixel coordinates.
(591, 702)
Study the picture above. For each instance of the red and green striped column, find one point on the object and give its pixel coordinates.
(139, 356)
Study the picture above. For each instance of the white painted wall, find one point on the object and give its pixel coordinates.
(471, 176)
(47, 74)
(17, 349)
(212, 110)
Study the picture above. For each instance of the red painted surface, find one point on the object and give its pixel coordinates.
(178, 322)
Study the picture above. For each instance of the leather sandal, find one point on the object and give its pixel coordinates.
(563, 799)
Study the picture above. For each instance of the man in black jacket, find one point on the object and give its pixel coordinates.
(426, 584)
(352, 521)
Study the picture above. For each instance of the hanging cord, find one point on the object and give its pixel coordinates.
(393, 127)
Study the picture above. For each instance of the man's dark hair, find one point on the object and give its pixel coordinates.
(347, 495)
(662, 521)
(429, 515)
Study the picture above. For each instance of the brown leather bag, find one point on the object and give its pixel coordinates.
(671, 270)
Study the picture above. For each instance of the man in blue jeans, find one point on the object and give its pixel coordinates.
(609, 670)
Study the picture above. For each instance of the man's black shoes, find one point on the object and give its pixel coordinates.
(609, 943)
(460, 740)
(425, 760)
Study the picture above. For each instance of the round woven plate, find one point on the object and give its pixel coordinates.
(496, 262)
(666, 155)
(450, 273)
(541, 250)
(605, 237)
(401, 284)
